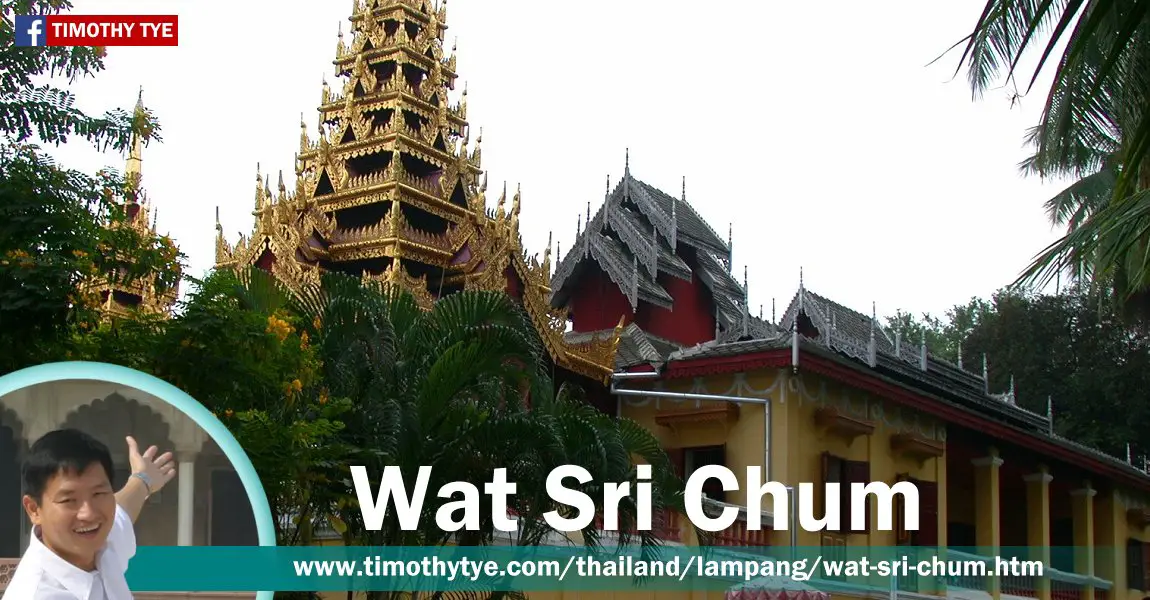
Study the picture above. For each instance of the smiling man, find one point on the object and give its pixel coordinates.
(82, 534)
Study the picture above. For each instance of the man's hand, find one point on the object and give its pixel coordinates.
(158, 471)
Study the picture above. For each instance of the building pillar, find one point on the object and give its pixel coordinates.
(186, 507)
(986, 513)
(1038, 525)
(1082, 501)
(938, 584)
(1111, 560)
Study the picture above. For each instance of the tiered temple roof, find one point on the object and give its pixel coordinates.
(642, 238)
(119, 298)
(390, 188)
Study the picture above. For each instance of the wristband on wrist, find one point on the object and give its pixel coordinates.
(146, 480)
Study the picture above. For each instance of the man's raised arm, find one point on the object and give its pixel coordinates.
(149, 475)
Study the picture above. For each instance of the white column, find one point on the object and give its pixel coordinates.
(186, 474)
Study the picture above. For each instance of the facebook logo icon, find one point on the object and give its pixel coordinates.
(30, 31)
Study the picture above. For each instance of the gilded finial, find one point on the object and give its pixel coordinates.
(515, 201)
(481, 200)
(627, 162)
(394, 217)
(500, 213)
(618, 333)
(547, 256)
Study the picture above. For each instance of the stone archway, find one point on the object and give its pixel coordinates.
(12, 446)
(110, 420)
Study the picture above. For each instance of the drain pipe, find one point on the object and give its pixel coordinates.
(792, 518)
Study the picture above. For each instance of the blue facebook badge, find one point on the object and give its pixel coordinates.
(30, 31)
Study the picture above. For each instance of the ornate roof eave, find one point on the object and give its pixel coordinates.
(623, 276)
(502, 250)
(397, 277)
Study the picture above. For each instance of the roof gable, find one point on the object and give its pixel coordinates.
(640, 233)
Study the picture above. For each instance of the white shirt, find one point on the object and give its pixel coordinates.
(42, 575)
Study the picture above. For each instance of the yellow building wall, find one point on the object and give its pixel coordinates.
(789, 422)
(797, 441)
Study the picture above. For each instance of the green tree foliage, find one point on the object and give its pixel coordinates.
(461, 388)
(1071, 348)
(1094, 129)
(58, 227)
(252, 364)
(343, 373)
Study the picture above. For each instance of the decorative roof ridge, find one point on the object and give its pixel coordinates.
(678, 203)
(712, 345)
(641, 339)
(1099, 453)
(821, 309)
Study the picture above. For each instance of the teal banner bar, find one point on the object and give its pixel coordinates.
(454, 568)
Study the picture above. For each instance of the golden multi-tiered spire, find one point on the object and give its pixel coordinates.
(118, 298)
(390, 190)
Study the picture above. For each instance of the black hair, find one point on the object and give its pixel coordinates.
(62, 450)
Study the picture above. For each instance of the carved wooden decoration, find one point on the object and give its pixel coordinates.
(1138, 517)
(725, 413)
(842, 424)
(916, 446)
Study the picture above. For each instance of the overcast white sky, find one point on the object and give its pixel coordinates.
(816, 128)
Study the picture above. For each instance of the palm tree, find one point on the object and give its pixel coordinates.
(462, 388)
(1094, 128)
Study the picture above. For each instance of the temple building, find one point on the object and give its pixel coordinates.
(205, 505)
(824, 394)
(116, 296)
(389, 190)
(646, 311)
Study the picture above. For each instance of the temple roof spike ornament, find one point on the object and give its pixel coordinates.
(731, 244)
